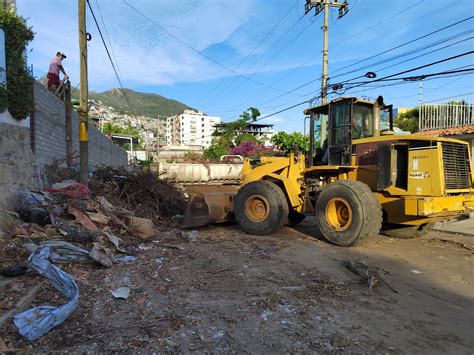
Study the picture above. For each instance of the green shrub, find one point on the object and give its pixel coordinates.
(214, 152)
(18, 95)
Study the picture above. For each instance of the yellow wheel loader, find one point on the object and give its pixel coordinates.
(357, 179)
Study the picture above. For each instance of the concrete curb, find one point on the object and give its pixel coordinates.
(465, 226)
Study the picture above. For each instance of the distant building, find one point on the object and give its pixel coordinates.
(263, 132)
(400, 110)
(191, 128)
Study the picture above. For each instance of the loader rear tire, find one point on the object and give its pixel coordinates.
(261, 208)
(404, 232)
(348, 213)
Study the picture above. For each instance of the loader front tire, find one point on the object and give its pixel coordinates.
(348, 213)
(260, 208)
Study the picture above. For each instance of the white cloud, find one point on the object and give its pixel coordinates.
(145, 54)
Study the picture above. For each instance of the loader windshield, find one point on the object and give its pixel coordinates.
(362, 121)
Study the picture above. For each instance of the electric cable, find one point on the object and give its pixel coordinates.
(110, 58)
(255, 48)
(205, 56)
(386, 60)
(226, 90)
(108, 38)
(405, 43)
(414, 69)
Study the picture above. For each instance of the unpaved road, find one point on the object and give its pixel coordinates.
(234, 293)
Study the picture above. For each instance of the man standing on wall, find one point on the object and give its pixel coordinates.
(55, 67)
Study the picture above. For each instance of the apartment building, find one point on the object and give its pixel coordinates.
(191, 128)
(263, 132)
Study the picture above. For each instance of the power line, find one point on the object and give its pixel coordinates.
(432, 44)
(406, 43)
(391, 84)
(108, 38)
(403, 81)
(377, 24)
(255, 48)
(358, 33)
(412, 58)
(385, 78)
(336, 44)
(276, 55)
(110, 58)
(316, 79)
(450, 97)
(225, 90)
(205, 56)
(433, 89)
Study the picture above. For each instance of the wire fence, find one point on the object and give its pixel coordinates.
(446, 113)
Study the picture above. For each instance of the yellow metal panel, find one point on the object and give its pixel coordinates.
(330, 168)
(411, 206)
(287, 170)
(368, 175)
(435, 206)
(425, 176)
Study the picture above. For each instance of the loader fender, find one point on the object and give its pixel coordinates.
(284, 171)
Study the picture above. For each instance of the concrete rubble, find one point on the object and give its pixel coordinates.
(69, 224)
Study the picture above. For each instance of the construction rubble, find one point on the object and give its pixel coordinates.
(72, 224)
(104, 268)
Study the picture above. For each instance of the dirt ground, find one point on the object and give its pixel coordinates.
(235, 293)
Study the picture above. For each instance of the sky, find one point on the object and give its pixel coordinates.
(223, 56)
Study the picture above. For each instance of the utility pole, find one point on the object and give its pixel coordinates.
(420, 93)
(83, 95)
(420, 107)
(325, 5)
(158, 148)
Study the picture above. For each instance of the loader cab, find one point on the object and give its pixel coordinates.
(336, 125)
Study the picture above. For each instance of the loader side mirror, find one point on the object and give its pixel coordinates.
(380, 101)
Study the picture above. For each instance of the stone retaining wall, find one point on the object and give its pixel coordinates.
(25, 152)
(17, 163)
(49, 127)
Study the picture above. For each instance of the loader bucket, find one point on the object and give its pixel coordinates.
(209, 204)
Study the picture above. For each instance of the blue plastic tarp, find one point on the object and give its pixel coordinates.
(35, 322)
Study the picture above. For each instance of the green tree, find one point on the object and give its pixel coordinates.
(245, 137)
(409, 121)
(128, 131)
(288, 142)
(232, 134)
(18, 95)
(214, 152)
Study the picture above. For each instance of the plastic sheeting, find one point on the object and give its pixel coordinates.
(31, 207)
(35, 322)
(62, 252)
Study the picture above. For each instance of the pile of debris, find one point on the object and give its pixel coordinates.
(71, 223)
(143, 192)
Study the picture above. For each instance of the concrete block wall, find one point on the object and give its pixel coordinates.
(17, 162)
(49, 126)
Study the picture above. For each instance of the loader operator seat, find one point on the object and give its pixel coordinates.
(325, 157)
(357, 130)
(322, 154)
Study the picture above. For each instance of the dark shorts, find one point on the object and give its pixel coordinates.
(53, 80)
